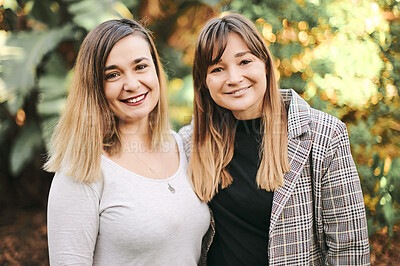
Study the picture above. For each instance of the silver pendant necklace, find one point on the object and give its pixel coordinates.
(170, 188)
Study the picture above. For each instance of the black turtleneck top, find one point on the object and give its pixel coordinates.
(242, 211)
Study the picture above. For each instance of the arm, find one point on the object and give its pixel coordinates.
(343, 208)
(72, 221)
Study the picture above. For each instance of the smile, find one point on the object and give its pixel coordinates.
(135, 99)
(239, 91)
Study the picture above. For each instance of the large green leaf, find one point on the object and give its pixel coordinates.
(42, 11)
(52, 92)
(27, 142)
(53, 84)
(19, 71)
(52, 88)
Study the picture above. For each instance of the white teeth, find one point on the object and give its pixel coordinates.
(238, 91)
(134, 100)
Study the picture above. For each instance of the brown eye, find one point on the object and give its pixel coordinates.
(215, 70)
(111, 75)
(140, 67)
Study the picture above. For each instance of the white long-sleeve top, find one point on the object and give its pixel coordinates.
(126, 219)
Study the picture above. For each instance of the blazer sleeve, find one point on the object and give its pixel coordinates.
(72, 221)
(343, 211)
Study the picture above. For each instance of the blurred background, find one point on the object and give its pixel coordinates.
(342, 56)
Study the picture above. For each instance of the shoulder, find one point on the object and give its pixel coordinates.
(325, 124)
(186, 133)
(64, 179)
(66, 187)
(176, 141)
(175, 136)
(330, 137)
(302, 117)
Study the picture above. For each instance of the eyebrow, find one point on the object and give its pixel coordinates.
(134, 62)
(240, 54)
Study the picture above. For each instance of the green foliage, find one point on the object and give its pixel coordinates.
(45, 12)
(342, 56)
(27, 143)
(90, 13)
(181, 101)
(19, 72)
(381, 195)
(52, 86)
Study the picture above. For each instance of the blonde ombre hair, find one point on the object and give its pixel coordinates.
(215, 127)
(87, 125)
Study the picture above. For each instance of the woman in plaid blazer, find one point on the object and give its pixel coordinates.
(278, 175)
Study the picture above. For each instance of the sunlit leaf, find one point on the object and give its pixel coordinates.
(90, 13)
(12, 4)
(19, 72)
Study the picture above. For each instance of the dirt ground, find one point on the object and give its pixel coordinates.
(23, 240)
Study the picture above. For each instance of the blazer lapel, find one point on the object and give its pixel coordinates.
(299, 147)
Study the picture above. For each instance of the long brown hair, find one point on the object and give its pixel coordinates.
(214, 126)
(87, 125)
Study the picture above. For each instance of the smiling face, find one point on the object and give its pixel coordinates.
(131, 84)
(238, 81)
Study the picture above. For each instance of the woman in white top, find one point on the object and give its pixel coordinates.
(120, 195)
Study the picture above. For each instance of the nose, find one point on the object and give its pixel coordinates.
(131, 82)
(234, 76)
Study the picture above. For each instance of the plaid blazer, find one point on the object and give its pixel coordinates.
(318, 216)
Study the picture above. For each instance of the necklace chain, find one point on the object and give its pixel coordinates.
(170, 188)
